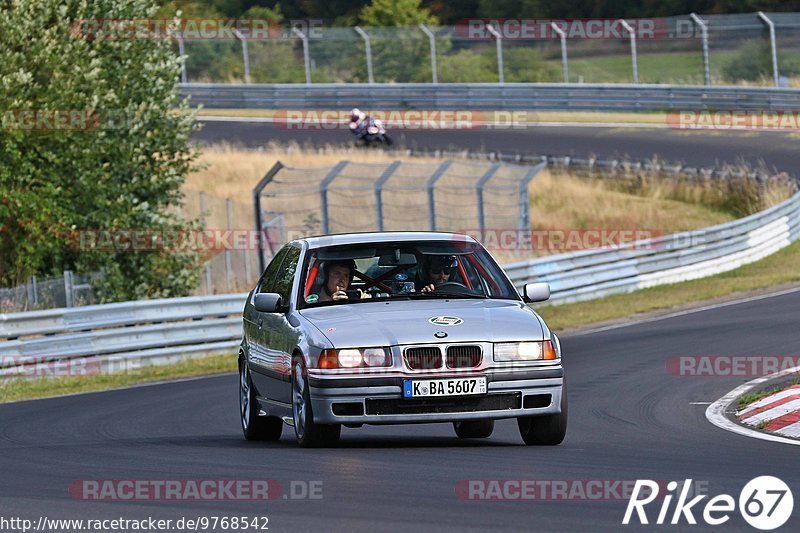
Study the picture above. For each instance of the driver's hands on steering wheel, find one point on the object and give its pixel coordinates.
(428, 288)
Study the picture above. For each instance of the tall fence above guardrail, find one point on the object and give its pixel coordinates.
(753, 48)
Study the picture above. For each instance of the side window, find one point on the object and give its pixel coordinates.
(272, 268)
(285, 276)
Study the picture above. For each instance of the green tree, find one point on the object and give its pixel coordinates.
(118, 164)
(396, 13)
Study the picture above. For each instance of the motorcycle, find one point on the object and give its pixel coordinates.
(371, 132)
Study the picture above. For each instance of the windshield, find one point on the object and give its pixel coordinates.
(409, 270)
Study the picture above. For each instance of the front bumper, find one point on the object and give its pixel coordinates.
(379, 400)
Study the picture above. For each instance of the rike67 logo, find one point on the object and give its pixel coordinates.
(765, 503)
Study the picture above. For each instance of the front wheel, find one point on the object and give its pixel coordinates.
(309, 433)
(474, 429)
(255, 427)
(548, 430)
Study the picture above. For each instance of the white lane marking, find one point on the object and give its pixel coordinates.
(717, 410)
(683, 313)
(772, 414)
(699, 403)
(768, 400)
(792, 430)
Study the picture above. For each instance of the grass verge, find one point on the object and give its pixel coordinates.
(26, 389)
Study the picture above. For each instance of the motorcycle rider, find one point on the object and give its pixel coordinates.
(358, 122)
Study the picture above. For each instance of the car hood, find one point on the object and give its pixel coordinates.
(408, 322)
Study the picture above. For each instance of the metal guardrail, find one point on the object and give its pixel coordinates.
(492, 96)
(678, 257)
(168, 330)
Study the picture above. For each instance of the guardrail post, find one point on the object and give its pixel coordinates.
(773, 46)
(323, 192)
(306, 55)
(245, 54)
(704, 36)
(379, 190)
(182, 53)
(563, 37)
(479, 192)
(68, 295)
(499, 40)
(368, 48)
(228, 266)
(634, 59)
(432, 41)
(524, 201)
(430, 185)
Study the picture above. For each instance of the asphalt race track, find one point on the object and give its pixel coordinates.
(698, 148)
(629, 419)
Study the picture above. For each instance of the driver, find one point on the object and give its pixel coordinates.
(337, 276)
(434, 271)
(358, 122)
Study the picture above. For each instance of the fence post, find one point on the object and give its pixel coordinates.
(773, 45)
(368, 47)
(206, 268)
(432, 41)
(306, 54)
(245, 54)
(228, 267)
(704, 35)
(182, 53)
(68, 296)
(634, 59)
(430, 185)
(271, 173)
(524, 201)
(479, 191)
(323, 192)
(499, 41)
(563, 37)
(379, 190)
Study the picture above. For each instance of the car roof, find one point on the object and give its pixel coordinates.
(384, 237)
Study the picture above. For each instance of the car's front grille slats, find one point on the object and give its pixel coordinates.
(464, 356)
(423, 357)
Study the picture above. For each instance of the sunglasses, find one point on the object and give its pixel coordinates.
(440, 270)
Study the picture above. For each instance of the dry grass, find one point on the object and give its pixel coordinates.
(558, 200)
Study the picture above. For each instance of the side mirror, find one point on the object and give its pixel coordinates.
(536, 292)
(268, 302)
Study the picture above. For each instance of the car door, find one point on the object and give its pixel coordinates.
(278, 337)
(253, 325)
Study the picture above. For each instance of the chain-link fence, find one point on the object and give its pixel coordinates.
(68, 290)
(450, 195)
(749, 49)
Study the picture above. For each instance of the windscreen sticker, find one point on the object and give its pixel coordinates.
(446, 320)
(311, 298)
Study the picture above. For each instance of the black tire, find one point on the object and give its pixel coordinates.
(474, 429)
(309, 433)
(254, 427)
(548, 430)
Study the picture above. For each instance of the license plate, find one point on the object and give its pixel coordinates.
(419, 388)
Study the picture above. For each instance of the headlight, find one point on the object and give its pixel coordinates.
(524, 351)
(355, 358)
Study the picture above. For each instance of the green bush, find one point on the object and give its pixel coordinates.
(55, 182)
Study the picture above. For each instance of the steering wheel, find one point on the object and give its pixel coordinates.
(447, 284)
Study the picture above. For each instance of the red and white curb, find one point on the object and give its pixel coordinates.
(777, 413)
(717, 413)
